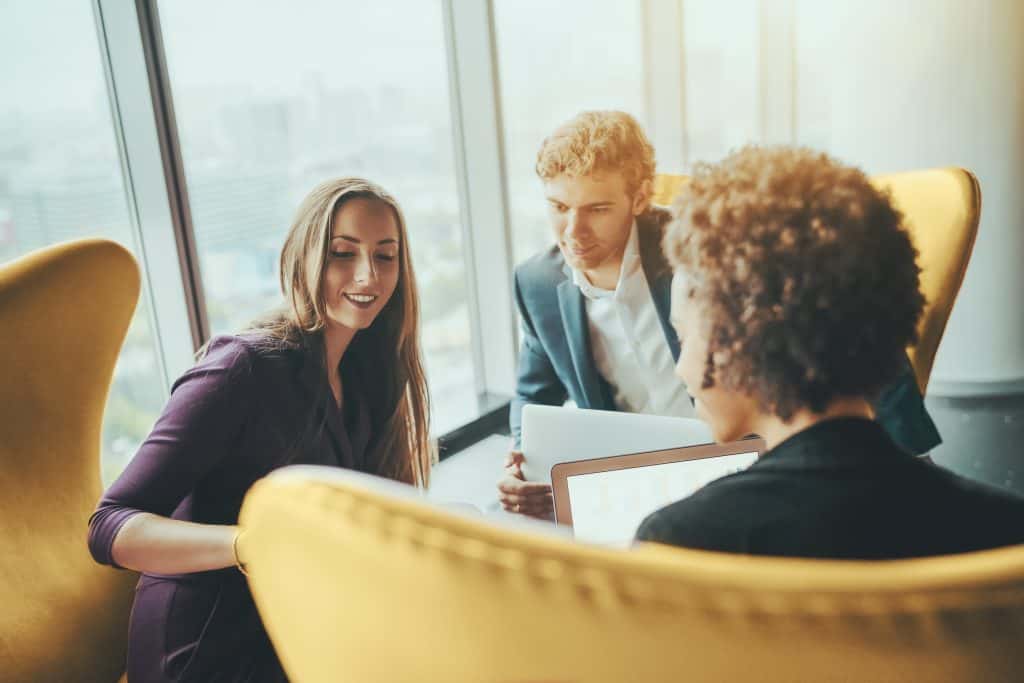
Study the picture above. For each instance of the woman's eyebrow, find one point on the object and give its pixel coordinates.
(356, 240)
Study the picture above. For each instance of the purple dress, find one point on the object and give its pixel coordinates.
(238, 414)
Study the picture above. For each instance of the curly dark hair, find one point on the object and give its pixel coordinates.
(807, 273)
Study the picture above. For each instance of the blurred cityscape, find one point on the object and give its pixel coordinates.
(262, 121)
(249, 161)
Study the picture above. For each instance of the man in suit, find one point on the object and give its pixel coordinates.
(595, 306)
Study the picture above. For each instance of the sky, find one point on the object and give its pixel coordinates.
(49, 55)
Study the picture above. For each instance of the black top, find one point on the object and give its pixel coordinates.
(841, 489)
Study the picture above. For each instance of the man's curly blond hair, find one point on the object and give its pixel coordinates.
(805, 271)
(598, 142)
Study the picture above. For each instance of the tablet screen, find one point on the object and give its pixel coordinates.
(607, 507)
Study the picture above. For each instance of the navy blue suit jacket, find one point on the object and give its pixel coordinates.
(556, 363)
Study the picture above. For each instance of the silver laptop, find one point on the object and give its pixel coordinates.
(554, 434)
(604, 500)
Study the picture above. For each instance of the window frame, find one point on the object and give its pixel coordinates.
(142, 109)
(480, 167)
(143, 117)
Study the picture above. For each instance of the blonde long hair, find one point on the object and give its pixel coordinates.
(384, 360)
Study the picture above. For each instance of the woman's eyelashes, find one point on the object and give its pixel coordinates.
(352, 254)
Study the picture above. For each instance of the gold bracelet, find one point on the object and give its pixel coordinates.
(234, 548)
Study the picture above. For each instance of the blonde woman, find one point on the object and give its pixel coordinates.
(334, 378)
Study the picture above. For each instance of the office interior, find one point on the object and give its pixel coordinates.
(189, 131)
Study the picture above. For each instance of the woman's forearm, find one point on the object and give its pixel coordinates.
(158, 545)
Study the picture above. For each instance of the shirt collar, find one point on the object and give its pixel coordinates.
(630, 260)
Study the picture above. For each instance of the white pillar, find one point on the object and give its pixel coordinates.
(900, 84)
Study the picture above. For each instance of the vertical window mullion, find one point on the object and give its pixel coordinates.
(144, 124)
(664, 81)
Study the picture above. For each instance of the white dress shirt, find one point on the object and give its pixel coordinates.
(628, 342)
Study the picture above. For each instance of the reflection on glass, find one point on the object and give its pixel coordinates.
(60, 179)
(557, 59)
(302, 93)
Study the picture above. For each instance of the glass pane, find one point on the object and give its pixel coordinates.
(557, 59)
(721, 43)
(60, 179)
(303, 92)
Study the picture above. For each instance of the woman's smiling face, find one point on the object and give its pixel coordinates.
(363, 262)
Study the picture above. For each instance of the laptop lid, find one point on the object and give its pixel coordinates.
(605, 499)
(554, 434)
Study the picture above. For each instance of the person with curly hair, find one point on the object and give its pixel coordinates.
(795, 295)
(595, 306)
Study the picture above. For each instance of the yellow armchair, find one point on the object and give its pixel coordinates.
(359, 579)
(942, 208)
(64, 312)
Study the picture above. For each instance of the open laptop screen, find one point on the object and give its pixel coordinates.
(605, 500)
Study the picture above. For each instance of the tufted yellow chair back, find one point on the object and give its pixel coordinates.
(941, 208)
(64, 312)
(359, 579)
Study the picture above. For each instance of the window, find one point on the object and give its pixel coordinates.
(301, 93)
(721, 55)
(557, 59)
(60, 179)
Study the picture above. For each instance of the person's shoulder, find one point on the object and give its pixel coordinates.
(250, 351)
(981, 493)
(242, 364)
(223, 363)
(543, 269)
(719, 516)
(227, 351)
(724, 492)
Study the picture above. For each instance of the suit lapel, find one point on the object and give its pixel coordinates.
(577, 334)
(314, 379)
(657, 271)
(339, 436)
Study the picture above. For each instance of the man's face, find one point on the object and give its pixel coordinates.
(591, 217)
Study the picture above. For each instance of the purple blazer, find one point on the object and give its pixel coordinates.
(241, 412)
